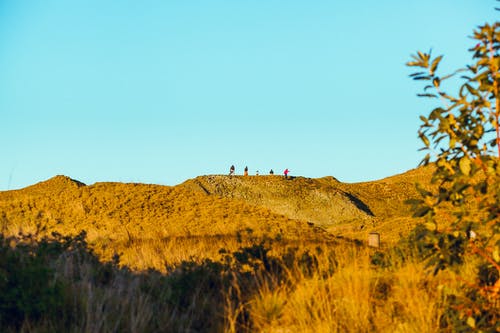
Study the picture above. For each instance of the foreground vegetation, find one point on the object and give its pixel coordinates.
(462, 137)
(57, 284)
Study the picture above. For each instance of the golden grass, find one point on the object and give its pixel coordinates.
(336, 289)
(325, 287)
(354, 297)
(159, 254)
(214, 205)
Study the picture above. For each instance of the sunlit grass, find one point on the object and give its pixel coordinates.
(170, 260)
(253, 285)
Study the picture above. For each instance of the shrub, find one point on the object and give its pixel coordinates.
(27, 288)
(462, 137)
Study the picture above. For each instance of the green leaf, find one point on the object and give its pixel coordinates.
(424, 139)
(426, 159)
(464, 165)
(471, 322)
(427, 95)
(414, 202)
(453, 142)
(436, 113)
(431, 226)
(421, 55)
(471, 90)
(436, 82)
(422, 211)
(480, 76)
(435, 63)
(496, 255)
(417, 74)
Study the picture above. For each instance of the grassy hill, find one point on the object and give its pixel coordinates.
(343, 209)
(139, 220)
(117, 210)
(386, 200)
(220, 254)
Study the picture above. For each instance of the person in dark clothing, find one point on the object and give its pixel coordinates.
(271, 172)
(245, 173)
(231, 170)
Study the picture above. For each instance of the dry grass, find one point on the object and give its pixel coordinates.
(173, 275)
(290, 287)
(159, 254)
(116, 213)
(354, 297)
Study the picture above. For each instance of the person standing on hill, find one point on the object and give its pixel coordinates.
(286, 173)
(245, 173)
(271, 172)
(231, 170)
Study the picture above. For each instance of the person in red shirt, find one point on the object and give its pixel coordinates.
(286, 173)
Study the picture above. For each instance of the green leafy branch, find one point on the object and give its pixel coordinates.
(462, 139)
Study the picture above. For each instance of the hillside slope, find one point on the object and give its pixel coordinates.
(386, 199)
(323, 201)
(344, 209)
(120, 211)
(131, 217)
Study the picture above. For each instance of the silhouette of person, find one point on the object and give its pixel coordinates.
(245, 173)
(286, 173)
(271, 172)
(231, 170)
(257, 173)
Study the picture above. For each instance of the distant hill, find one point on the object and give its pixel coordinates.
(297, 208)
(118, 210)
(345, 209)
(324, 201)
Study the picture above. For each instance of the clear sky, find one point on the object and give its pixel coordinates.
(163, 91)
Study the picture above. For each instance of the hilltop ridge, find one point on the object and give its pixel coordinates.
(50, 186)
(322, 201)
(58, 181)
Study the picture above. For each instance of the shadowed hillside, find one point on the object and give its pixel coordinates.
(386, 199)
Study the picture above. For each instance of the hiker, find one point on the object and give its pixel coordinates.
(271, 172)
(286, 173)
(257, 173)
(245, 173)
(231, 170)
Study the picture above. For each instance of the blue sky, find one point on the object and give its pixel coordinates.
(163, 91)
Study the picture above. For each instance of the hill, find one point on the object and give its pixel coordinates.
(323, 201)
(127, 218)
(344, 209)
(149, 225)
(386, 200)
